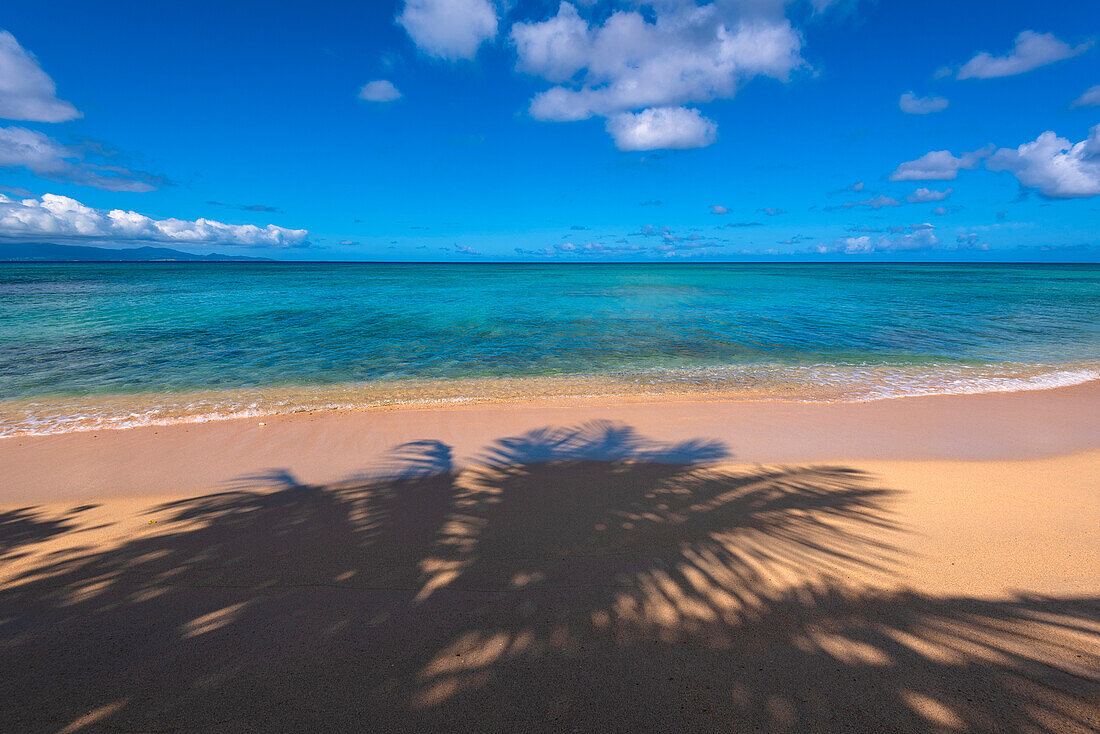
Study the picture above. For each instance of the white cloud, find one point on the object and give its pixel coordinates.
(20, 147)
(669, 246)
(27, 92)
(661, 127)
(938, 165)
(716, 209)
(687, 54)
(874, 203)
(914, 105)
(44, 156)
(680, 53)
(1030, 51)
(554, 49)
(923, 196)
(1091, 98)
(686, 249)
(587, 249)
(449, 29)
(379, 90)
(923, 237)
(1056, 167)
(56, 217)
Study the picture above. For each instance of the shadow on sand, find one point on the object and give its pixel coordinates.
(575, 578)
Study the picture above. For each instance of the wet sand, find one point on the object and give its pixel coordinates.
(331, 446)
(908, 565)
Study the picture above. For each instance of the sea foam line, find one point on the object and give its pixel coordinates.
(895, 387)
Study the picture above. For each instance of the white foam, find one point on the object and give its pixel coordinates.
(809, 383)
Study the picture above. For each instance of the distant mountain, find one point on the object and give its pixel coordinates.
(46, 252)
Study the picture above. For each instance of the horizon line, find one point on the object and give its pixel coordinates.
(272, 261)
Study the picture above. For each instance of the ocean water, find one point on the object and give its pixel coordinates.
(97, 346)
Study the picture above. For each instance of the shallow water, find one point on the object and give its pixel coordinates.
(91, 346)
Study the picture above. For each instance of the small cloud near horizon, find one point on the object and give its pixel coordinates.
(60, 217)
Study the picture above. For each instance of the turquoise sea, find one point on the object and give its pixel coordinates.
(94, 346)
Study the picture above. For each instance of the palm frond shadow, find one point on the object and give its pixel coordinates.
(581, 577)
(27, 525)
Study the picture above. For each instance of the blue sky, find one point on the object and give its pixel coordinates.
(479, 130)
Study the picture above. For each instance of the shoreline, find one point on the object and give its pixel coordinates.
(190, 458)
(443, 400)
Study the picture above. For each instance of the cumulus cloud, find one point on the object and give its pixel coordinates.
(687, 53)
(661, 128)
(1056, 167)
(379, 90)
(922, 237)
(27, 92)
(937, 165)
(1091, 98)
(56, 217)
(1030, 51)
(715, 209)
(43, 156)
(449, 29)
(914, 105)
(923, 196)
(554, 49)
(679, 53)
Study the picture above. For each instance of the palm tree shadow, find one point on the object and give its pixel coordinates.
(572, 577)
(29, 525)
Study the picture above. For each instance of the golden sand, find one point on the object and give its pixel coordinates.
(926, 564)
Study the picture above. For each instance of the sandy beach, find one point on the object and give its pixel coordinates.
(602, 366)
(919, 564)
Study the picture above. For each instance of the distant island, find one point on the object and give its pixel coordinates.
(48, 252)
